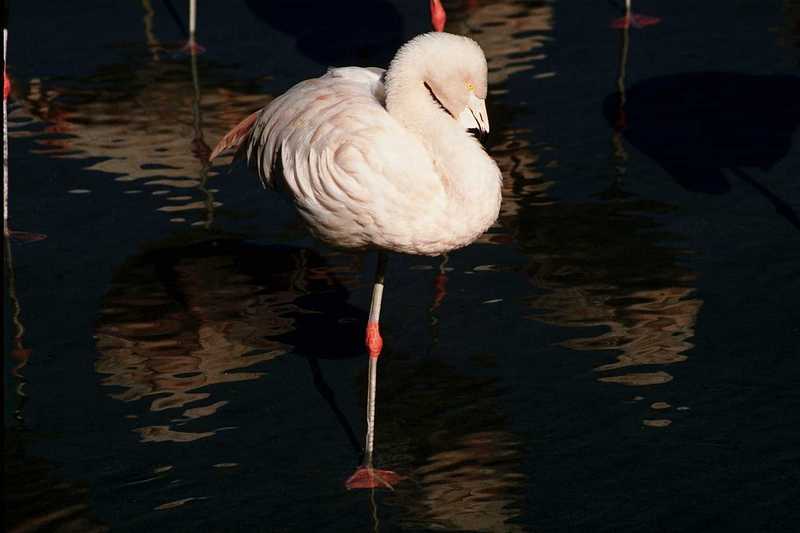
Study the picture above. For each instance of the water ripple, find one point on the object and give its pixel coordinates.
(176, 322)
(144, 124)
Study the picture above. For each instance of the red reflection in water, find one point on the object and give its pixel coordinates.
(634, 21)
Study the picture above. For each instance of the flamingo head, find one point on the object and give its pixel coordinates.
(448, 69)
(459, 84)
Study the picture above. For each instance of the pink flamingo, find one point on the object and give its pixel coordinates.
(383, 160)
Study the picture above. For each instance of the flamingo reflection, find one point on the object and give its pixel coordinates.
(179, 322)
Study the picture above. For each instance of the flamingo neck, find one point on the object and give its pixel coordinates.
(459, 159)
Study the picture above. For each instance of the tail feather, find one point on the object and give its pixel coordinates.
(234, 138)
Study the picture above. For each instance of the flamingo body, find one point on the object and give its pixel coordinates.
(372, 160)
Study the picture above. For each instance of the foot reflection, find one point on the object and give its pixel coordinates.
(464, 465)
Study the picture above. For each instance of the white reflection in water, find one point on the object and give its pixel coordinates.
(604, 263)
(140, 125)
(473, 486)
(177, 323)
(512, 34)
(464, 466)
(152, 345)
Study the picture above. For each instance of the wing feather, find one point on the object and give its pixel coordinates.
(234, 138)
(351, 169)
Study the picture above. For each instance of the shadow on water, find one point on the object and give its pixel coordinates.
(178, 320)
(620, 272)
(348, 32)
(698, 126)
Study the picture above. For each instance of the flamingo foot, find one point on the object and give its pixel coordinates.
(193, 48)
(24, 236)
(636, 21)
(367, 477)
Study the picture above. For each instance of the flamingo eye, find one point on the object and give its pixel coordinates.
(470, 87)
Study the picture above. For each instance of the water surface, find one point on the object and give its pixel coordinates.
(618, 353)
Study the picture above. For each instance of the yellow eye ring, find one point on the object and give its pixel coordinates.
(470, 87)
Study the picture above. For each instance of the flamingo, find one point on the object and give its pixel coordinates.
(383, 160)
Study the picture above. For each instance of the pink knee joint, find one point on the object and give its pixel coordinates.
(374, 340)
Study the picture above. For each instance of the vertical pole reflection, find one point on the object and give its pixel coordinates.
(374, 508)
(440, 284)
(623, 63)
(6, 88)
(627, 13)
(620, 155)
(199, 147)
(439, 293)
(18, 353)
(150, 38)
(193, 22)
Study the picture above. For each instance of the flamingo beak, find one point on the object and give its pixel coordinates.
(438, 15)
(474, 117)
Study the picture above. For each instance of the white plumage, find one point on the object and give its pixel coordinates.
(383, 159)
(371, 159)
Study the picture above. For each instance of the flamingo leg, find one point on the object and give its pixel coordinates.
(192, 19)
(438, 15)
(366, 476)
(192, 47)
(374, 346)
(633, 19)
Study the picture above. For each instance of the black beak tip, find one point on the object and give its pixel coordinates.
(482, 136)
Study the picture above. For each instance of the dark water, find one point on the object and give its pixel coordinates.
(619, 353)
